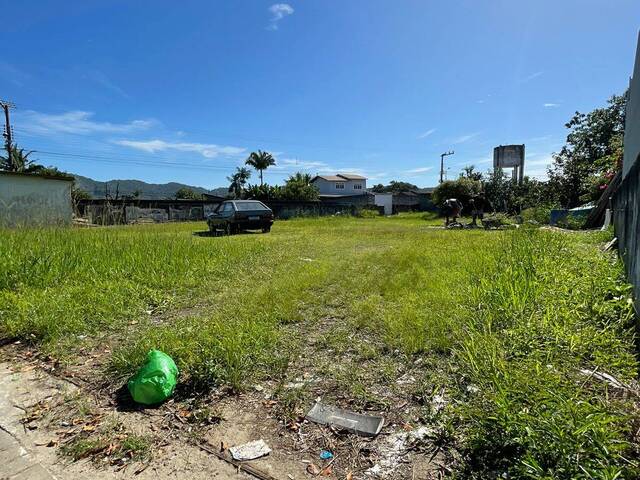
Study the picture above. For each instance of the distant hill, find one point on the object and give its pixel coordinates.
(147, 190)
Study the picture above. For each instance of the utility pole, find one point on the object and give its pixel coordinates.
(442, 164)
(7, 134)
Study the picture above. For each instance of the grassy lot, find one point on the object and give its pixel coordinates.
(498, 324)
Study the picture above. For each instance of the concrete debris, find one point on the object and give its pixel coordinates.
(604, 377)
(406, 380)
(365, 425)
(392, 451)
(610, 245)
(250, 451)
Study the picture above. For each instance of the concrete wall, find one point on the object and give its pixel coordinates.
(632, 123)
(28, 200)
(626, 201)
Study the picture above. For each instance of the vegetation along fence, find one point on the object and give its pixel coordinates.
(627, 226)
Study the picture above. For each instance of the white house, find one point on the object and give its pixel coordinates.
(340, 184)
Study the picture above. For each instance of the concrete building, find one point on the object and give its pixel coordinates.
(340, 185)
(34, 200)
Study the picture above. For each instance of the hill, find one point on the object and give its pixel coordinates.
(158, 191)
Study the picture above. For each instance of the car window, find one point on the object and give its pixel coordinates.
(245, 206)
(228, 207)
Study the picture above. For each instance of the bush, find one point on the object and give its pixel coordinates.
(463, 189)
(368, 213)
(539, 215)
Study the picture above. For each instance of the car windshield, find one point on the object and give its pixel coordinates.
(246, 206)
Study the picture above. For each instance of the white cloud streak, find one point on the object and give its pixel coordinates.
(418, 170)
(465, 138)
(207, 150)
(551, 105)
(278, 12)
(429, 132)
(76, 122)
(531, 77)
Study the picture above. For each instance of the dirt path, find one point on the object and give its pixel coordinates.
(29, 452)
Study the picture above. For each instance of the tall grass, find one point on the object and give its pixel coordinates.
(505, 319)
(548, 306)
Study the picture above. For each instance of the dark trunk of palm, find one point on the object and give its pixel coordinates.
(260, 177)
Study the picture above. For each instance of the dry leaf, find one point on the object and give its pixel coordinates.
(326, 471)
(313, 469)
(349, 476)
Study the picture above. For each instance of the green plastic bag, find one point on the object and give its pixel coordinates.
(155, 380)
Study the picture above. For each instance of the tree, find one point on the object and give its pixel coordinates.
(462, 189)
(260, 161)
(470, 172)
(264, 192)
(188, 194)
(299, 187)
(394, 187)
(18, 161)
(593, 149)
(238, 181)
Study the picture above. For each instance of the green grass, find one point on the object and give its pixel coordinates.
(503, 322)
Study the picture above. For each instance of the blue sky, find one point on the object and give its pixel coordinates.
(183, 91)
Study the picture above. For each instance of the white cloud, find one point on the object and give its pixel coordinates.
(278, 12)
(76, 122)
(101, 79)
(427, 133)
(551, 105)
(418, 170)
(465, 138)
(531, 77)
(207, 150)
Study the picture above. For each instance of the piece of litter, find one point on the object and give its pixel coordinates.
(365, 425)
(313, 469)
(250, 451)
(326, 455)
(394, 448)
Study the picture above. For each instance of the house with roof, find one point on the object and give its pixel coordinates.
(341, 184)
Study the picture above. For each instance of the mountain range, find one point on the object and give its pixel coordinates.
(154, 191)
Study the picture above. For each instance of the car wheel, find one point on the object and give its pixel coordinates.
(266, 229)
(228, 230)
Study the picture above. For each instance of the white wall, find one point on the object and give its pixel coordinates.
(27, 200)
(384, 200)
(632, 124)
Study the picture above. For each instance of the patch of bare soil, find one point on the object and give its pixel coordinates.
(79, 429)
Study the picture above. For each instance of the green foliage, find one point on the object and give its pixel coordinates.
(545, 309)
(593, 148)
(260, 161)
(508, 196)
(462, 189)
(238, 181)
(540, 215)
(394, 187)
(18, 161)
(513, 314)
(188, 194)
(299, 187)
(263, 192)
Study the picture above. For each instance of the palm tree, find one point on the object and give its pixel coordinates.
(301, 178)
(260, 161)
(18, 161)
(238, 180)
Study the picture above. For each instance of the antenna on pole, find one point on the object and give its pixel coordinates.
(442, 164)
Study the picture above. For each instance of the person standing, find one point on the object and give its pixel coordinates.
(478, 205)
